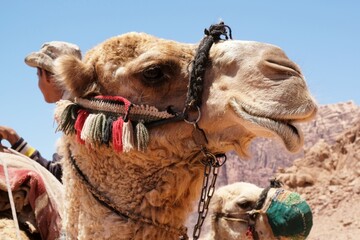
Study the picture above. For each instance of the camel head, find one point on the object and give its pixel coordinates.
(137, 127)
(283, 214)
(250, 89)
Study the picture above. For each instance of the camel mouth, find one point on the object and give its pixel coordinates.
(232, 216)
(290, 134)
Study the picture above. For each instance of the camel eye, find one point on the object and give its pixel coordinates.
(245, 204)
(153, 75)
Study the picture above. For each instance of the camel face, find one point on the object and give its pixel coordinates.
(229, 209)
(251, 89)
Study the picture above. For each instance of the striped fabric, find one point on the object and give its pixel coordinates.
(23, 147)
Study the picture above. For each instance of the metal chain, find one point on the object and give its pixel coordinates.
(211, 163)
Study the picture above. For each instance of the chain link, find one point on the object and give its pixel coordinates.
(211, 163)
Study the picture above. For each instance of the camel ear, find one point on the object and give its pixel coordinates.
(75, 76)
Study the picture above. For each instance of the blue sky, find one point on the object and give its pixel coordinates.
(323, 37)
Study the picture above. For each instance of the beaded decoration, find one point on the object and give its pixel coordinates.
(109, 120)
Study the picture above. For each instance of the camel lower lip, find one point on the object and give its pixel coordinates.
(289, 133)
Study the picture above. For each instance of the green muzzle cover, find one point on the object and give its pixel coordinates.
(289, 215)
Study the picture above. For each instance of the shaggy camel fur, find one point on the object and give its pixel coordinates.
(250, 89)
(230, 219)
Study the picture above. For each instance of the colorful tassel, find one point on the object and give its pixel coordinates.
(117, 130)
(142, 136)
(107, 130)
(67, 119)
(128, 136)
(104, 126)
(79, 123)
(98, 127)
(249, 234)
(88, 128)
(60, 107)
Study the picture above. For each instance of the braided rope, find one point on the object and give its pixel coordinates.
(195, 89)
(136, 112)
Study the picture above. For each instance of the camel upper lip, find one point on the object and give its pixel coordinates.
(290, 134)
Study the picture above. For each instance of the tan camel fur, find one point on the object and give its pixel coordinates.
(8, 230)
(250, 89)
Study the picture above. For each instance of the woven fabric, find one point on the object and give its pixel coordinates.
(44, 193)
(289, 215)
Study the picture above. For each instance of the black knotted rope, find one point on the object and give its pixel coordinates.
(195, 88)
(274, 183)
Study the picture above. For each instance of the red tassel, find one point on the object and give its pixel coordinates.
(80, 120)
(117, 130)
(249, 234)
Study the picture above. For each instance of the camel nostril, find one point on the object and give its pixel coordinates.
(279, 69)
(275, 65)
(284, 64)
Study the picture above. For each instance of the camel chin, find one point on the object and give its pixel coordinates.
(285, 129)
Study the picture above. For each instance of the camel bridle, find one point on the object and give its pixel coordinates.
(211, 161)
